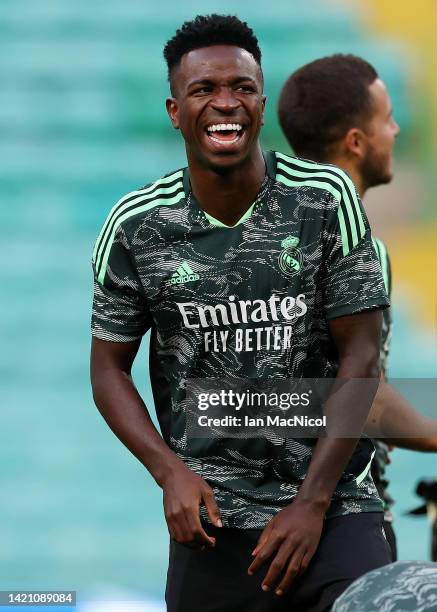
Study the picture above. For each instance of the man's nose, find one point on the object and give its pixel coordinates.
(225, 100)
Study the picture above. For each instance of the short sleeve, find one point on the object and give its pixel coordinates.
(353, 280)
(120, 312)
(387, 323)
(384, 260)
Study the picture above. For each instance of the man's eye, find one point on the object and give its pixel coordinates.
(201, 90)
(246, 88)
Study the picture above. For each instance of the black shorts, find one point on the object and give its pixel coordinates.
(391, 539)
(216, 580)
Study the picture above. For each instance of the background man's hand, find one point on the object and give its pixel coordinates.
(292, 536)
(184, 492)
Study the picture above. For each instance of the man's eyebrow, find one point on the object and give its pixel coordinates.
(205, 81)
(208, 81)
(244, 78)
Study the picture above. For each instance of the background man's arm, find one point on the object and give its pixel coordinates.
(392, 418)
(357, 340)
(123, 409)
(294, 533)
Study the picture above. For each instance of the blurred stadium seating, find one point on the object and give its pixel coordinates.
(83, 121)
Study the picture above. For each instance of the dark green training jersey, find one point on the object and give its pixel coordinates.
(381, 459)
(250, 301)
(387, 322)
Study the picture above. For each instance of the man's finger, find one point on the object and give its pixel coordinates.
(262, 539)
(211, 507)
(275, 570)
(197, 533)
(264, 554)
(179, 528)
(293, 570)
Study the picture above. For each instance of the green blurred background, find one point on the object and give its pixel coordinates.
(82, 122)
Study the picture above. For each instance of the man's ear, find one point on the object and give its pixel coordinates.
(173, 111)
(263, 102)
(355, 142)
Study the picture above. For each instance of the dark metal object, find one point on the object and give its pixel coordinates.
(427, 489)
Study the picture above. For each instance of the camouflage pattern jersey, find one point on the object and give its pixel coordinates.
(405, 586)
(381, 458)
(264, 289)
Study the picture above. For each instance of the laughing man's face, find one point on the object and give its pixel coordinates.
(218, 105)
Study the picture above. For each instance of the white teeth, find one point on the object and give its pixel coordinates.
(228, 142)
(234, 127)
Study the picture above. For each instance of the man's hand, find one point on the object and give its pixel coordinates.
(125, 412)
(184, 492)
(292, 536)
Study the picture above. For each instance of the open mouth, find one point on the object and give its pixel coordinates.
(225, 133)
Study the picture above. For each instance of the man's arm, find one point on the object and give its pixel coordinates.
(392, 418)
(126, 414)
(294, 533)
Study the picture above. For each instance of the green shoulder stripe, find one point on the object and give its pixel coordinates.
(310, 182)
(121, 218)
(340, 174)
(128, 200)
(350, 215)
(381, 251)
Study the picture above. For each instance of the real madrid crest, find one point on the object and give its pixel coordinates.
(290, 258)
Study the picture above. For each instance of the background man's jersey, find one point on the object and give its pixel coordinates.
(410, 586)
(250, 301)
(381, 458)
(387, 322)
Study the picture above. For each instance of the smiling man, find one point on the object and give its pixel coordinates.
(272, 257)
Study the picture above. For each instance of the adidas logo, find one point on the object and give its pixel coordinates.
(183, 274)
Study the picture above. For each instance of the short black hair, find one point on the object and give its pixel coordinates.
(208, 30)
(322, 100)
